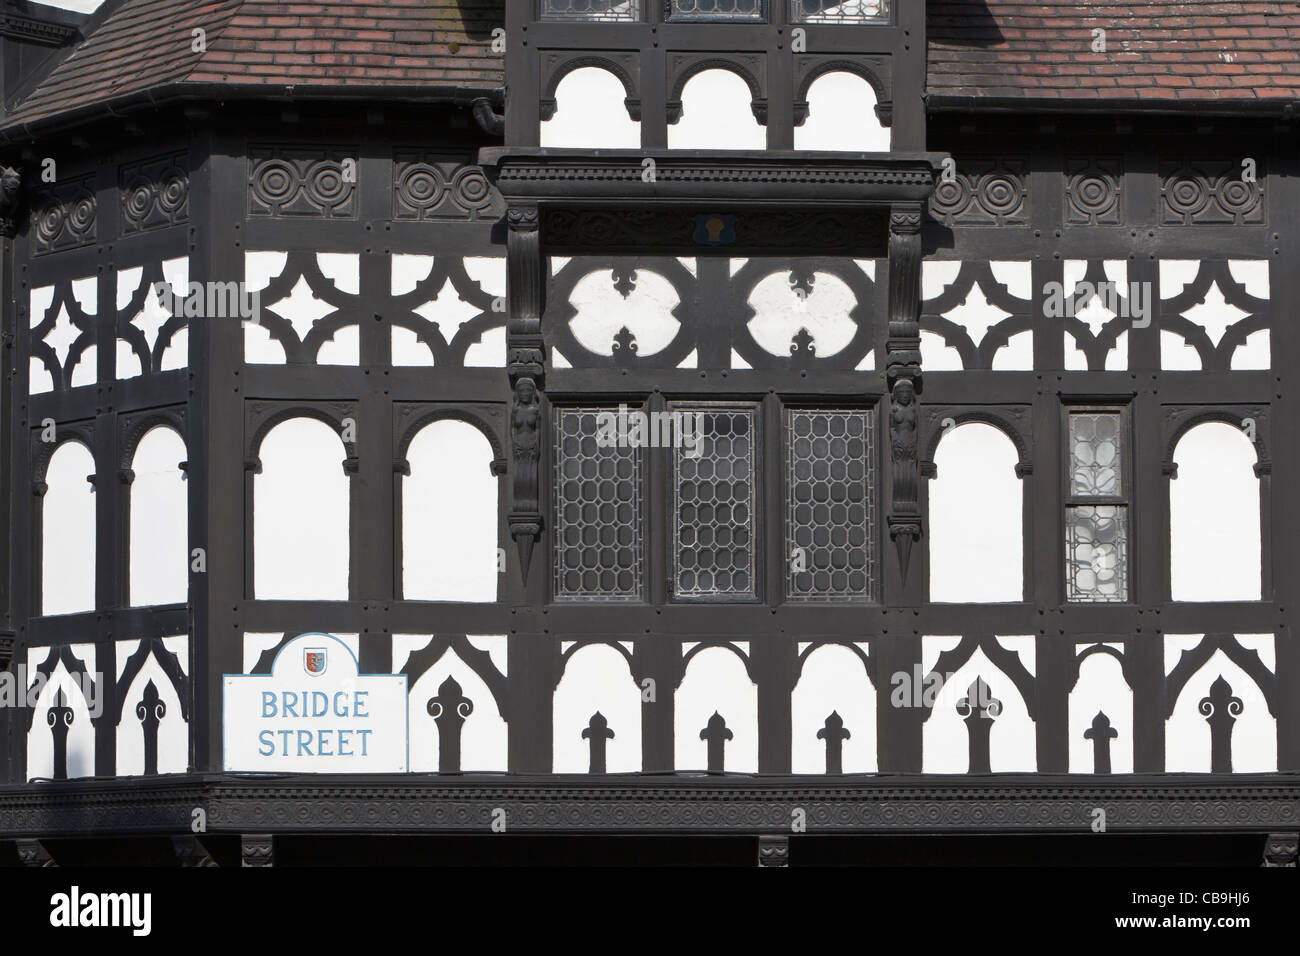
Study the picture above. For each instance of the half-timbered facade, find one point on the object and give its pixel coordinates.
(658, 417)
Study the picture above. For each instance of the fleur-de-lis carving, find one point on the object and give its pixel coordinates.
(1220, 710)
(60, 718)
(834, 734)
(716, 734)
(1101, 734)
(598, 732)
(151, 710)
(979, 708)
(449, 710)
(803, 347)
(624, 347)
(624, 280)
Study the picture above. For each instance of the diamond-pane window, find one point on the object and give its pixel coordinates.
(830, 499)
(839, 11)
(714, 498)
(717, 10)
(1096, 514)
(598, 526)
(602, 10)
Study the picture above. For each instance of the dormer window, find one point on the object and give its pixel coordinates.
(595, 10)
(838, 11)
(718, 10)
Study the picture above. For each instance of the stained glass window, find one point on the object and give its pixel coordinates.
(1096, 519)
(714, 552)
(838, 11)
(830, 499)
(717, 10)
(591, 9)
(598, 525)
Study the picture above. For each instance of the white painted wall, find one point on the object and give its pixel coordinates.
(597, 678)
(301, 514)
(152, 317)
(976, 512)
(81, 735)
(68, 532)
(780, 311)
(484, 742)
(842, 116)
(173, 732)
(945, 738)
(716, 680)
(449, 516)
(159, 521)
(1101, 687)
(590, 113)
(717, 113)
(833, 679)
(1187, 735)
(602, 311)
(1214, 517)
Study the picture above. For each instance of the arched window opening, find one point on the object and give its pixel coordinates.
(449, 516)
(1214, 518)
(301, 515)
(159, 520)
(976, 518)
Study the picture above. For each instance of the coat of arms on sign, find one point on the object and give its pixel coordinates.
(313, 659)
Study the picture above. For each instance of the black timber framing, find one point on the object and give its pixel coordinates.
(218, 387)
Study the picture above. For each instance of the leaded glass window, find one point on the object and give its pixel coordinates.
(830, 501)
(603, 10)
(714, 525)
(598, 523)
(838, 11)
(1096, 518)
(717, 10)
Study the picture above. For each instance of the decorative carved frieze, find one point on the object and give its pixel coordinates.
(299, 181)
(65, 217)
(154, 193)
(983, 191)
(1094, 191)
(437, 186)
(1210, 192)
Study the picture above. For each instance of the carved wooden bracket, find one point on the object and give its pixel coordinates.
(526, 269)
(903, 372)
(11, 183)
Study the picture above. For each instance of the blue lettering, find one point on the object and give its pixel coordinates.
(321, 744)
(304, 743)
(320, 703)
(358, 708)
(284, 742)
(364, 734)
(291, 704)
(345, 740)
(266, 739)
(268, 704)
(340, 710)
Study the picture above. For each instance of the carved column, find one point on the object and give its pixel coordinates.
(903, 373)
(526, 288)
